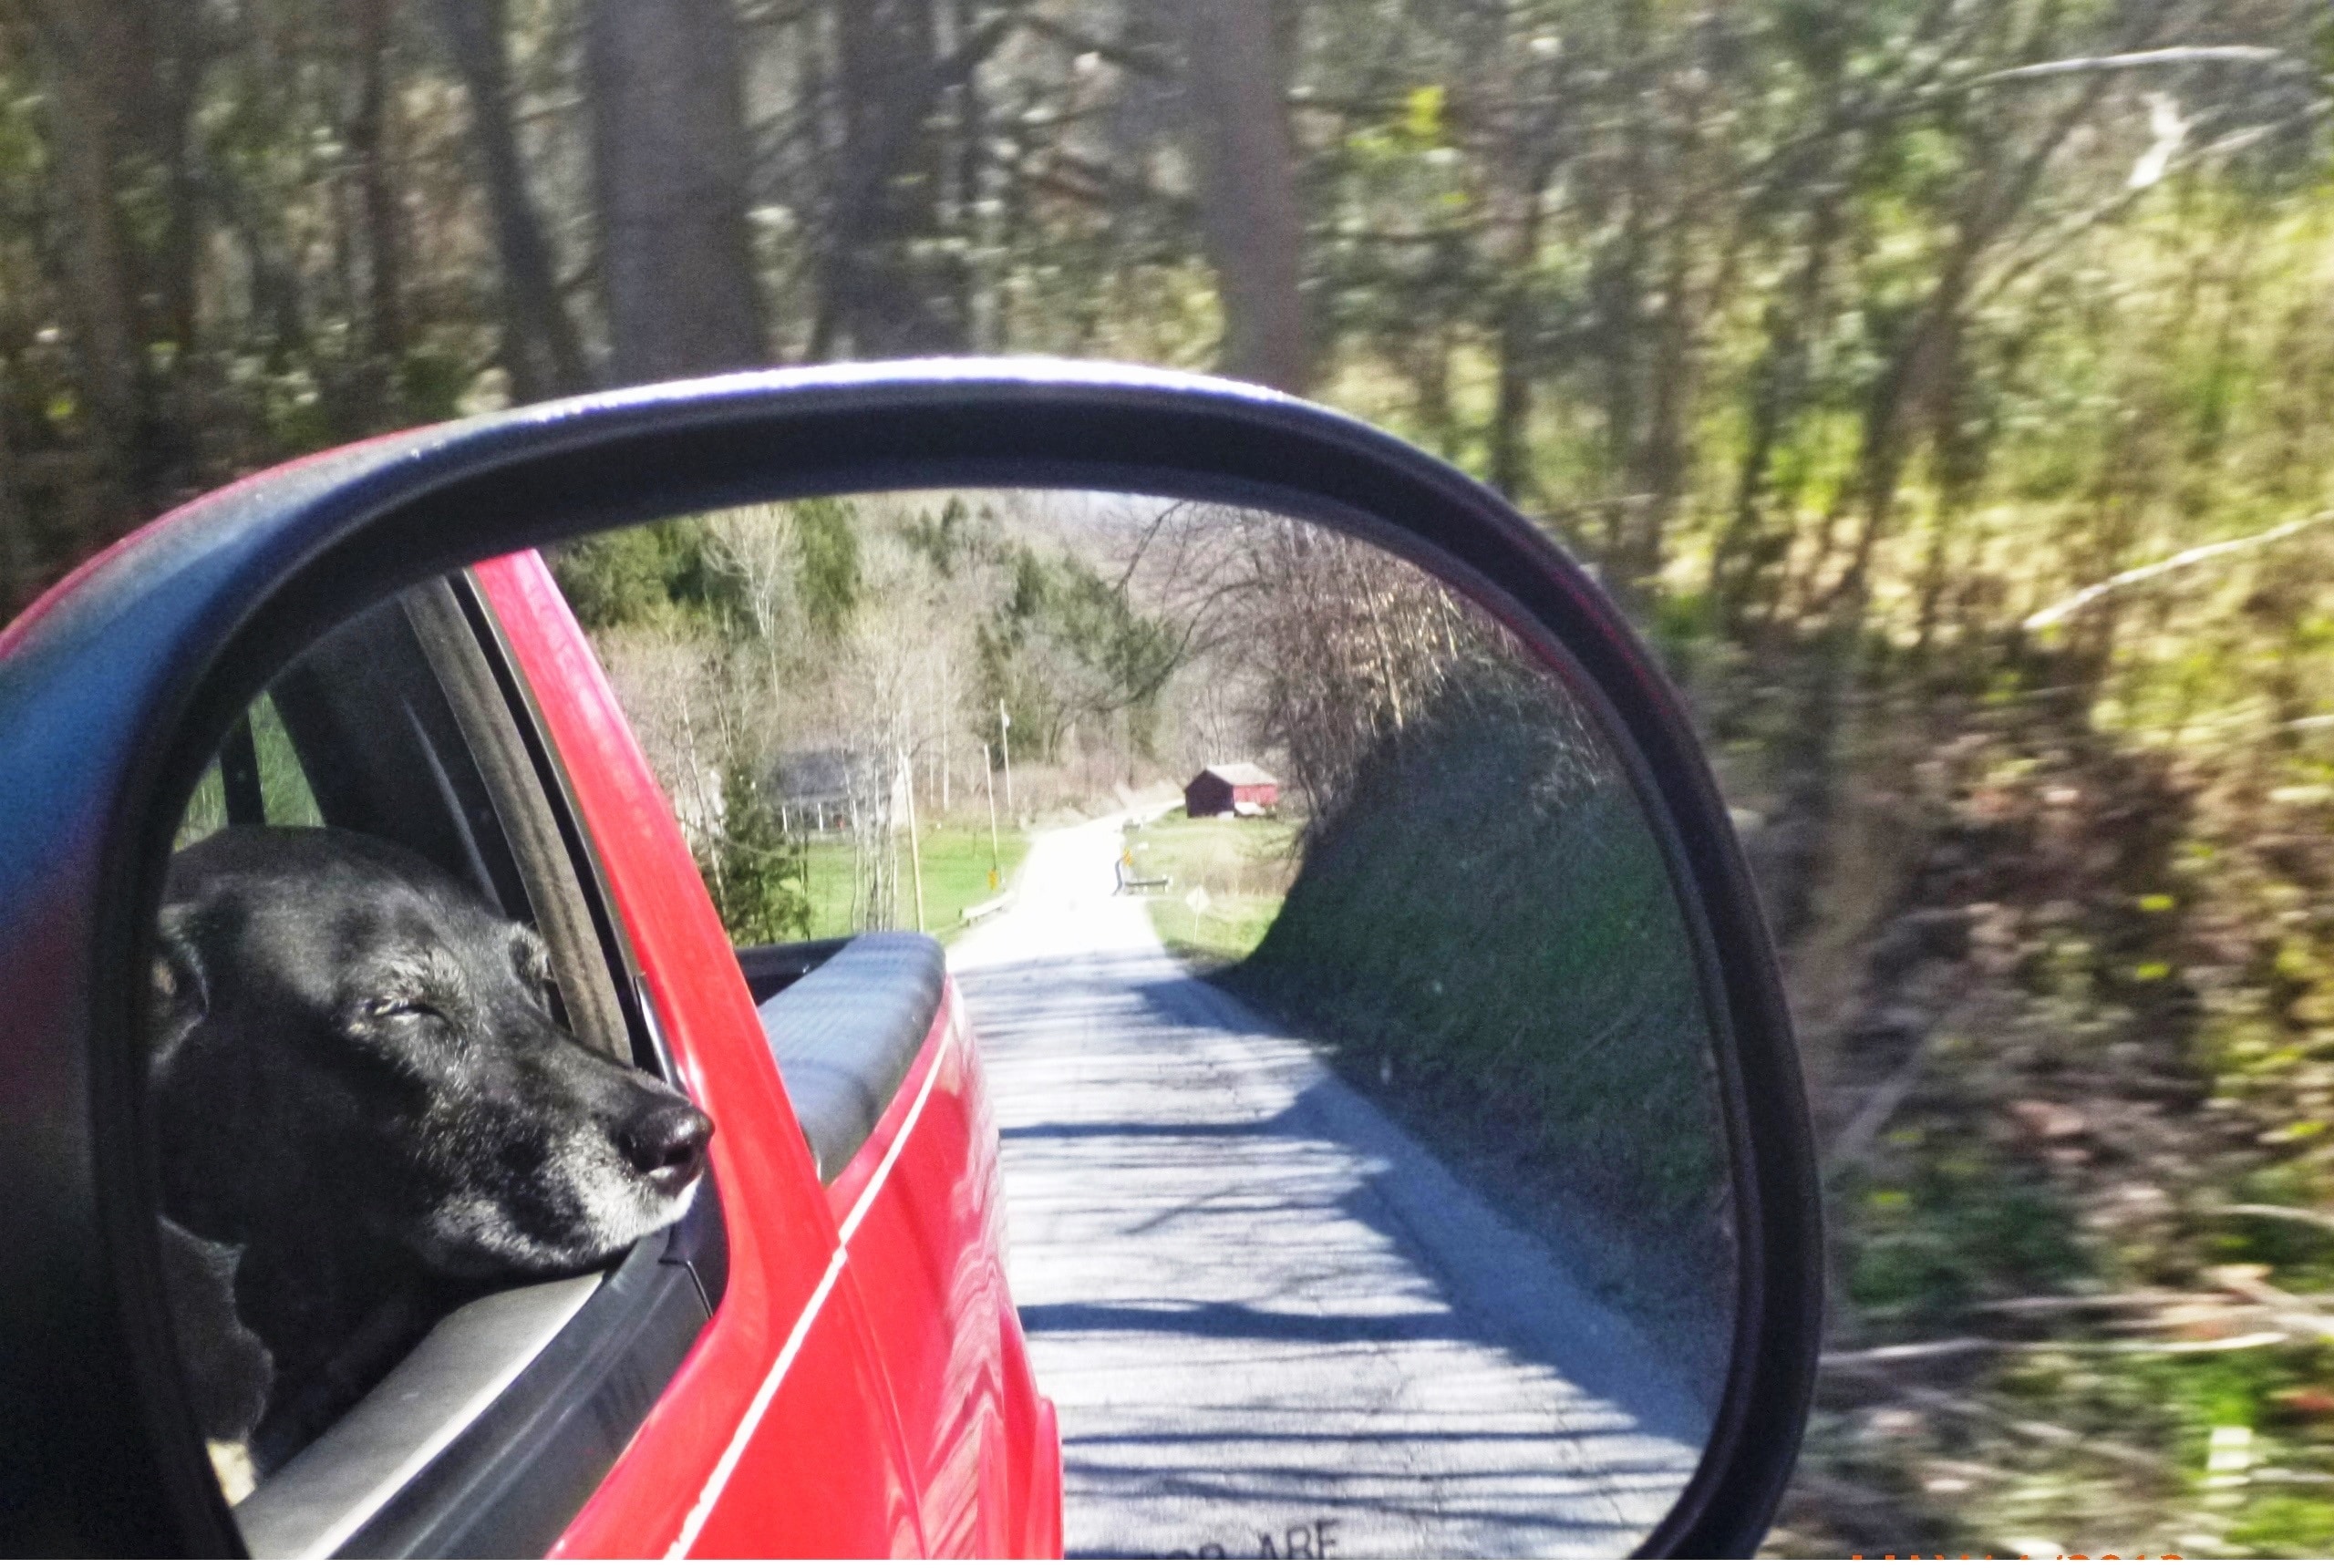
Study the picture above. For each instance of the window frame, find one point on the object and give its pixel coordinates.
(490, 1435)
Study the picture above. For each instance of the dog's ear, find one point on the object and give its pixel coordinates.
(178, 993)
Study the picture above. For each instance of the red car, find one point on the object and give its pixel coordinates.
(821, 1358)
(864, 1352)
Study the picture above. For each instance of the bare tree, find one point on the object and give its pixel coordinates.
(1250, 223)
(540, 348)
(890, 286)
(669, 153)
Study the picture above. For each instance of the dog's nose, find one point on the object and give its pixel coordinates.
(666, 1145)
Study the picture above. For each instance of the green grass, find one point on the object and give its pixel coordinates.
(956, 876)
(283, 788)
(1226, 879)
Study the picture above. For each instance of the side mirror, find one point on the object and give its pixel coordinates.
(1503, 893)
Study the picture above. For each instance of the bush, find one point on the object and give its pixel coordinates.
(759, 874)
(1485, 930)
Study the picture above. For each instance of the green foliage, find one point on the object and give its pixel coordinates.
(951, 539)
(430, 383)
(1066, 644)
(957, 862)
(640, 575)
(827, 567)
(759, 874)
(1485, 922)
(672, 572)
(285, 798)
(1965, 1227)
(1240, 867)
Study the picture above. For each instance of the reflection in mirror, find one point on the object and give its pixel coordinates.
(390, 1075)
(1366, 1177)
(1362, 1150)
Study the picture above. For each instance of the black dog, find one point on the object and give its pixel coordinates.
(367, 1114)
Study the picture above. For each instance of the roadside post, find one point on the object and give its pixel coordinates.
(915, 851)
(994, 859)
(1004, 740)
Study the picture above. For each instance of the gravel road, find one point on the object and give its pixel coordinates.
(1273, 1323)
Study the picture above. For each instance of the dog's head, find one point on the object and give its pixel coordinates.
(344, 1032)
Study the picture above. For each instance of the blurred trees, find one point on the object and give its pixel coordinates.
(1245, 178)
(1943, 383)
(1748, 302)
(668, 162)
(539, 354)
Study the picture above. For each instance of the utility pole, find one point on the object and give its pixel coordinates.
(915, 851)
(1004, 740)
(994, 859)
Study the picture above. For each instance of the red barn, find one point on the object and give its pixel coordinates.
(1223, 788)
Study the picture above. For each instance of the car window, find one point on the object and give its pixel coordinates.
(269, 786)
(395, 1026)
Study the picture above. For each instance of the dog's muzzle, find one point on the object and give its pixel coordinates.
(666, 1146)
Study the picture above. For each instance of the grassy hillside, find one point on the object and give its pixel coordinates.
(1485, 931)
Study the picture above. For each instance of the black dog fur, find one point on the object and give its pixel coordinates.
(367, 1114)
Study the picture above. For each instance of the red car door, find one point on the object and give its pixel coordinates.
(860, 1389)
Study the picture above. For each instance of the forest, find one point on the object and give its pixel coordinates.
(1942, 384)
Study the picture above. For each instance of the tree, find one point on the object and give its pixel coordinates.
(758, 873)
(668, 156)
(890, 288)
(1250, 223)
(540, 349)
(370, 132)
(84, 51)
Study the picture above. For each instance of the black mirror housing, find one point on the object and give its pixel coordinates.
(113, 688)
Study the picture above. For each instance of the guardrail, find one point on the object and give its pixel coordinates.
(1130, 882)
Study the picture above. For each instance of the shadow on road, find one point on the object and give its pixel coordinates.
(1264, 1310)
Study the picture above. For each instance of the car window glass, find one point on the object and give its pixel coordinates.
(257, 750)
(370, 914)
(1360, 1124)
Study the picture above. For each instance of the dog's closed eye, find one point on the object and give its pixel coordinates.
(424, 984)
(400, 1007)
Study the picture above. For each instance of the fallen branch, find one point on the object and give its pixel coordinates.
(2076, 603)
(2293, 1312)
(2139, 59)
(2277, 1211)
(1932, 1350)
(2044, 1306)
(1890, 1355)
(1856, 1138)
(2259, 1341)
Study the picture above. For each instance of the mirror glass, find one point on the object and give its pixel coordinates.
(1363, 1160)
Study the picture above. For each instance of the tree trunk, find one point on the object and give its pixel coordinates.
(1744, 559)
(177, 55)
(668, 155)
(20, 572)
(540, 349)
(369, 144)
(890, 289)
(1249, 219)
(83, 47)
